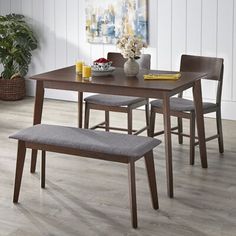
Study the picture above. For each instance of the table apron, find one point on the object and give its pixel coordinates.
(114, 90)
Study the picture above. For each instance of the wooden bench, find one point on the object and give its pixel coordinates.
(102, 145)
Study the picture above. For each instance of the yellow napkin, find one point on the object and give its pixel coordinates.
(162, 76)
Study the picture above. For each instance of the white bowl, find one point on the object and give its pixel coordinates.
(102, 66)
(96, 72)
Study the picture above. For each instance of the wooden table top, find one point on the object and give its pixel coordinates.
(118, 80)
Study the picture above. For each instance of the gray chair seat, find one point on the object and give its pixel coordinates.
(111, 100)
(88, 140)
(181, 104)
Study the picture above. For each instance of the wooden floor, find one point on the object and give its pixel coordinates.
(89, 197)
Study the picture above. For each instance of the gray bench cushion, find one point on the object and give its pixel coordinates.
(88, 140)
(181, 104)
(112, 100)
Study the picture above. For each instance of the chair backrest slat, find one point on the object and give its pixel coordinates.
(118, 60)
(213, 66)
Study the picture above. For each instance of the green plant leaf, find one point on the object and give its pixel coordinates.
(17, 40)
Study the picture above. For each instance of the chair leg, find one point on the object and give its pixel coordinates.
(192, 138)
(107, 120)
(86, 116)
(152, 123)
(147, 117)
(132, 194)
(149, 161)
(33, 161)
(43, 169)
(130, 122)
(219, 130)
(19, 169)
(180, 130)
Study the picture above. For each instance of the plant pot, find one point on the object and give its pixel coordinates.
(13, 89)
(131, 67)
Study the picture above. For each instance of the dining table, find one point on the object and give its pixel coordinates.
(117, 83)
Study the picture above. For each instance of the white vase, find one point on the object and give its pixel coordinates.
(131, 67)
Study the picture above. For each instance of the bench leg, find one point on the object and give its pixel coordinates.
(43, 167)
(149, 161)
(132, 194)
(19, 169)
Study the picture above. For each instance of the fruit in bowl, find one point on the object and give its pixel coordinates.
(102, 64)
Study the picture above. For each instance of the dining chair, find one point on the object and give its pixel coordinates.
(184, 108)
(114, 103)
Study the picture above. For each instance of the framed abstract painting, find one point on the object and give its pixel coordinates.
(108, 20)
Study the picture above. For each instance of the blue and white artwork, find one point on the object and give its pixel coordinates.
(108, 20)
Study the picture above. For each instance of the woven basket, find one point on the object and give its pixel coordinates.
(12, 90)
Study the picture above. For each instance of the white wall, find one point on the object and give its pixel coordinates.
(201, 27)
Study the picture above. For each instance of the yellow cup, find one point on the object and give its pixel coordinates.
(79, 77)
(86, 73)
(79, 67)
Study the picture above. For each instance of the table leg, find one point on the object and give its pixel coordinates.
(168, 146)
(80, 109)
(38, 108)
(197, 94)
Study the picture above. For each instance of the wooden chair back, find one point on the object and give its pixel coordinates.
(145, 61)
(118, 60)
(214, 67)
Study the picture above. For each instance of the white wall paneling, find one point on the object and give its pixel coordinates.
(164, 34)
(234, 56)
(225, 43)
(209, 27)
(5, 7)
(193, 27)
(193, 30)
(179, 31)
(60, 33)
(96, 51)
(72, 31)
(209, 40)
(16, 6)
(48, 38)
(26, 8)
(201, 27)
(84, 47)
(36, 18)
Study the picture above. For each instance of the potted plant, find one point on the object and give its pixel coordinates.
(17, 41)
(131, 46)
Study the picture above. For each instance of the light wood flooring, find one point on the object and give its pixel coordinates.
(90, 197)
